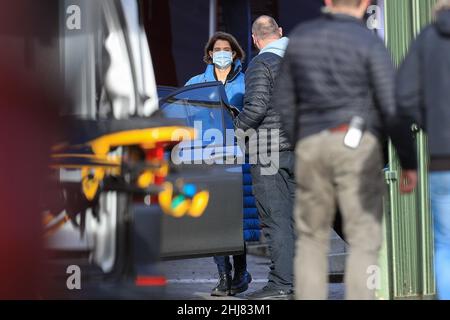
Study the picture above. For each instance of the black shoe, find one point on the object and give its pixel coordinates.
(223, 286)
(271, 293)
(240, 282)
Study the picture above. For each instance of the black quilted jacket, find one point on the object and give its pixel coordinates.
(257, 112)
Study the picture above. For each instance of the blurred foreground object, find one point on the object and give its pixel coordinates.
(27, 127)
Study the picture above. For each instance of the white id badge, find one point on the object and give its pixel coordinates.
(355, 132)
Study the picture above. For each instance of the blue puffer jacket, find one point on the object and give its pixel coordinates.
(235, 90)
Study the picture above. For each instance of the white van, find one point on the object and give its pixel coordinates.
(108, 75)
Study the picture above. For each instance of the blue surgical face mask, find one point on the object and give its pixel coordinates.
(223, 59)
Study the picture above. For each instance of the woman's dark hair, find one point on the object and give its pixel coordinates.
(240, 54)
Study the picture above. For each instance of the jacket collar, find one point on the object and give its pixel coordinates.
(343, 17)
(209, 72)
(277, 47)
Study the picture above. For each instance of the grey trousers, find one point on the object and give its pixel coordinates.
(275, 196)
(329, 174)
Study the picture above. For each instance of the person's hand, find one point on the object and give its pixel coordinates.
(408, 181)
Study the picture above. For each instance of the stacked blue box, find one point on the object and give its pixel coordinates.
(252, 228)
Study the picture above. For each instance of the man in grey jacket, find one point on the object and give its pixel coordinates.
(274, 189)
(336, 96)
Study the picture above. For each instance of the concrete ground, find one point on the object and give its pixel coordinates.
(193, 279)
(190, 279)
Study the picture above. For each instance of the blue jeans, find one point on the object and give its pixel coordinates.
(440, 207)
(239, 262)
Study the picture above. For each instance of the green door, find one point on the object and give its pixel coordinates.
(406, 259)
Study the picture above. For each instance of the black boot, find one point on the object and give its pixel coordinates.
(240, 282)
(223, 286)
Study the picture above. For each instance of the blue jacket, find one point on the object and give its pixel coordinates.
(234, 88)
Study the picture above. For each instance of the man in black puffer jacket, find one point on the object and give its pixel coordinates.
(273, 176)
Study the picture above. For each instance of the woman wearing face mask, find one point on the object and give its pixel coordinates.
(223, 57)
